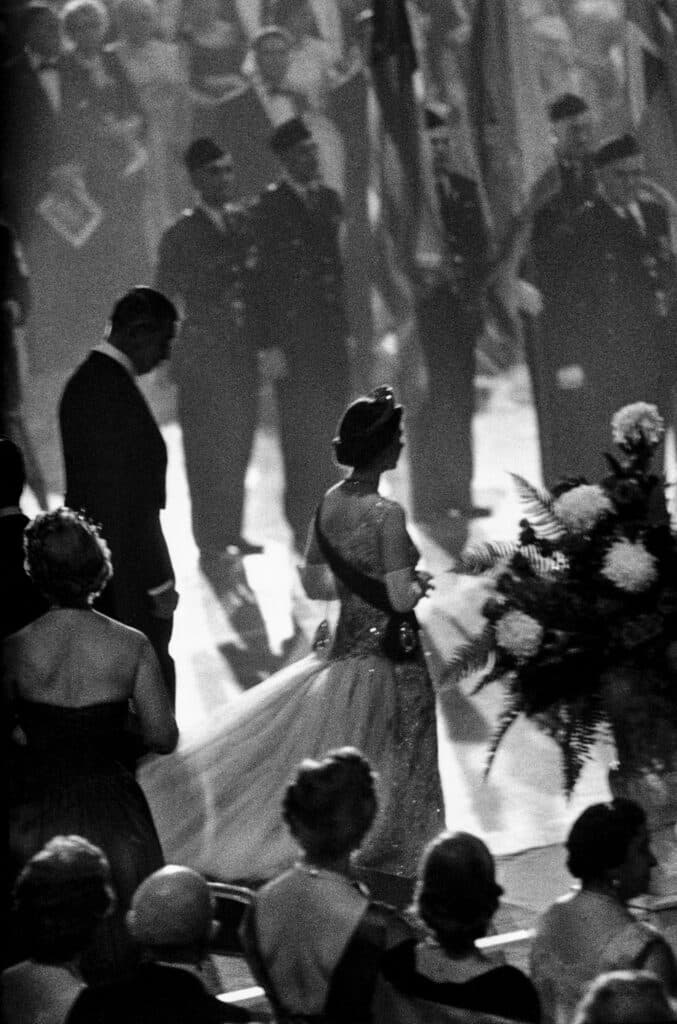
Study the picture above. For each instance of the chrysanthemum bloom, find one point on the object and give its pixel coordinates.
(637, 422)
(629, 566)
(581, 508)
(519, 634)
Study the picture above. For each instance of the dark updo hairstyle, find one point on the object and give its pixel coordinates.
(456, 894)
(600, 837)
(60, 897)
(367, 427)
(67, 558)
(331, 804)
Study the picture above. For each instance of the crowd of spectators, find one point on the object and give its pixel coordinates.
(324, 951)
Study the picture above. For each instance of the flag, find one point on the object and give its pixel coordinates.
(651, 55)
(393, 63)
(507, 110)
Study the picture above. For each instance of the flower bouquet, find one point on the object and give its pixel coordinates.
(581, 629)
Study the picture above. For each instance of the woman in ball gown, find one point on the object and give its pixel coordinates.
(369, 689)
(69, 677)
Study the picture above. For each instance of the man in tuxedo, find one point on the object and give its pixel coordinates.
(305, 331)
(116, 461)
(20, 602)
(207, 262)
(450, 319)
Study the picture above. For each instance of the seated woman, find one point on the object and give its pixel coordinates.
(625, 997)
(70, 677)
(591, 931)
(60, 898)
(456, 899)
(313, 938)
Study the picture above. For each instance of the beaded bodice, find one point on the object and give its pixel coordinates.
(360, 627)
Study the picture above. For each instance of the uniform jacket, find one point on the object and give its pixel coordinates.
(465, 230)
(116, 462)
(300, 272)
(211, 273)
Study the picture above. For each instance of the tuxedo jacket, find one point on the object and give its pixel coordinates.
(301, 274)
(116, 461)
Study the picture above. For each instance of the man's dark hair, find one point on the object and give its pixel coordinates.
(12, 473)
(142, 305)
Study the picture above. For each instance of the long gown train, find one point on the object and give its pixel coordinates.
(217, 803)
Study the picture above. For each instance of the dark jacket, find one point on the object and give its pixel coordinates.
(20, 602)
(157, 994)
(116, 462)
(301, 276)
(212, 274)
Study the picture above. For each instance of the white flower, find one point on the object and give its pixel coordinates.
(519, 634)
(637, 422)
(582, 507)
(629, 566)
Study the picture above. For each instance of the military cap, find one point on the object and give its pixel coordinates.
(289, 134)
(271, 32)
(618, 148)
(434, 119)
(567, 105)
(202, 152)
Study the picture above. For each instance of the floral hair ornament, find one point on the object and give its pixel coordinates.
(580, 628)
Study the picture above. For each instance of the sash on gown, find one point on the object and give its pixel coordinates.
(400, 641)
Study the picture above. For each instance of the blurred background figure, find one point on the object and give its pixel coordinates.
(625, 997)
(106, 130)
(15, 304)
(311, 75)
(60, 899)
(155, 68)
(450, 314)
(208, 263)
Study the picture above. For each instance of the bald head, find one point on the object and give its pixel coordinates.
(172, 909)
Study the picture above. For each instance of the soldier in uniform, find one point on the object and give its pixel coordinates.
(450, 319)
(305, 330)
(627, 353)
(207, 262)
(559, 263)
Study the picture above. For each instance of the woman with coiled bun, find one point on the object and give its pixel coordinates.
(456, 898)
(70, 678)
(592, 930)
(368, 687)
(313, 938)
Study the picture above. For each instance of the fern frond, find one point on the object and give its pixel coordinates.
(508, 716)
(538, 504)
(469, 658)
(484, 557)
(541, 564)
